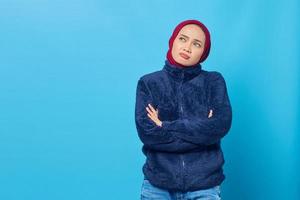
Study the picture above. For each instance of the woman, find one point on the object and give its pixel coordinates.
(182, 112)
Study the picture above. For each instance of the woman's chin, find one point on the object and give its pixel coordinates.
(184, 62)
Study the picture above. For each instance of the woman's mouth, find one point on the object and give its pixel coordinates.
(183, 55)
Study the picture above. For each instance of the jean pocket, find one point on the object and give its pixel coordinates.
(146, 184)
(218, 190)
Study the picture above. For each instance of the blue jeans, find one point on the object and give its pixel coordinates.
(150, 192)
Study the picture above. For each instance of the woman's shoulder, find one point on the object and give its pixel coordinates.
(213, 75)
(152, 76)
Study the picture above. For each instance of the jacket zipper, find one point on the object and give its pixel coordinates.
(181, 115)
(183, 174)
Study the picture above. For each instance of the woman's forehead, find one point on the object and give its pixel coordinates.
(193, 31)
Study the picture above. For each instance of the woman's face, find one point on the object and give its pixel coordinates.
(188, 45)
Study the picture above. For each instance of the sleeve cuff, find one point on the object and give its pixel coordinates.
(177, 125)
(165, 125)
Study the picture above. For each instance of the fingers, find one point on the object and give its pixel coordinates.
(151, 117)
(152, 113)
(155, 120)
(153, 110)
(210, 113)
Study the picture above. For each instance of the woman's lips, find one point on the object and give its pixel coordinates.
(183, 55)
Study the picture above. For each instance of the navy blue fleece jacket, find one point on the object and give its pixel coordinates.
(184, 154)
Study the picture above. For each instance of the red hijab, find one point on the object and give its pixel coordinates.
(175, 33)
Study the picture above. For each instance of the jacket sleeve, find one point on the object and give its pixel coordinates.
(153, 136)
(206, 131)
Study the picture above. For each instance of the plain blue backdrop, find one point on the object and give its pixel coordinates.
(68, 75)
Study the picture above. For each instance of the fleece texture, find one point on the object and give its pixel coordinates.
(184, 154)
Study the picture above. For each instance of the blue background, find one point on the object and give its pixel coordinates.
(68, 75)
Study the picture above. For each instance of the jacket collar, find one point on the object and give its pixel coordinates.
(182, 73)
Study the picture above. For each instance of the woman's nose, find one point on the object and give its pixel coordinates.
(188, 48)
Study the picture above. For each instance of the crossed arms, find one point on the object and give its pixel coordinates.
(187, 134)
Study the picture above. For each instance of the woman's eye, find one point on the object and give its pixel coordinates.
(197, 44)
(182, 39)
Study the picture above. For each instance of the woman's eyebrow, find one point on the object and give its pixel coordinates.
(188, 37)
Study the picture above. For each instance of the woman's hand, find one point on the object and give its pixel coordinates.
(210, 114)
(153, 115)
